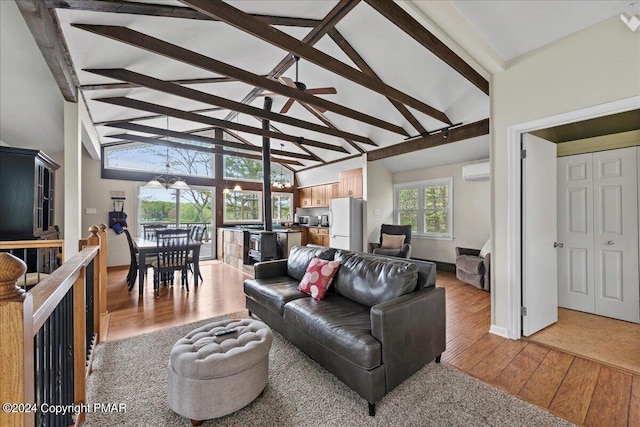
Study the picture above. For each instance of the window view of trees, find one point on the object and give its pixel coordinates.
(153, 158)
(243, 169)
(408, 207)
(242, 206)
(281, 205)
(436, 204)
(426, 206)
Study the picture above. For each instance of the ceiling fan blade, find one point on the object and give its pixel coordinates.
(323, 91)
(287, 105)
(318, 109)
(268, 94)
(288, 82)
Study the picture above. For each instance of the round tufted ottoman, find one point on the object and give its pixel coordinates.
(209, 376)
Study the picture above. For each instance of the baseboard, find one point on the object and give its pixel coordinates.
(500, 331)
(440, 266)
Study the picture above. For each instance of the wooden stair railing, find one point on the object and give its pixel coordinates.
(46, 335)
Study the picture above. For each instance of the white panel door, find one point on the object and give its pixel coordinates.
(539, 233)
(616, 234)
(575, 233)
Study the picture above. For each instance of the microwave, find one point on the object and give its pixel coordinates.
(308, 220)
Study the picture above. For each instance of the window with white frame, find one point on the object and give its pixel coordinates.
(281, 204)
(427, 206)
(243, 206)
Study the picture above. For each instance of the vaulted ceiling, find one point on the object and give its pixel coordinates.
(209, 64)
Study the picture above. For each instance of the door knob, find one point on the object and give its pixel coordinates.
(610, 242)
(558, 245)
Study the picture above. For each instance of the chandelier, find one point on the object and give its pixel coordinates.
(167, 181)
(281, 183)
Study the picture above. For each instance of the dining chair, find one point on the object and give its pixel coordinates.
(196, 234)
(172, 255)
(135, 261)
(149, 230)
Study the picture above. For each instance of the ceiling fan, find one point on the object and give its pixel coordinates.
(297, 84)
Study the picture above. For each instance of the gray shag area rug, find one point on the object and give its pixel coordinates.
(299, 392)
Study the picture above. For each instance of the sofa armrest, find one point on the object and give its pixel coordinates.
(405, 252)
(467, 251)
(373, 246)
(412, 332)
(267, 269)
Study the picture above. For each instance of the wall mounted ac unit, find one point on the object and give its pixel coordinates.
(476, 172)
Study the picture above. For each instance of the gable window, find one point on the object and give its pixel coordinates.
(281, 204)
(427, 206)
(243, 206)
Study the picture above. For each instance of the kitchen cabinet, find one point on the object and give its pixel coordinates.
(304, 197)
(351, 183)
(317, 196)
(318, 236)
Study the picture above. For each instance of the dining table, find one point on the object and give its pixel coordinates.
(146, 247)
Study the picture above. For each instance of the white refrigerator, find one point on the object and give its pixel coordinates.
(345, 223)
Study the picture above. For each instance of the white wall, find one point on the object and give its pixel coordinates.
(96, 194)
(328, 173)
(379, 196)
(471, 213)
(594, 66)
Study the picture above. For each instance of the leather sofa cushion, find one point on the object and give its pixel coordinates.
(301, 256)
(470, 264)
(341, 325)
(370, 280)
(273, 293)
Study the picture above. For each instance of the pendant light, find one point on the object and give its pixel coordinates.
(281, 183)
(167, 181)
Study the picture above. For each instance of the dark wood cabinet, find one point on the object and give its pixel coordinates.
(27, 194)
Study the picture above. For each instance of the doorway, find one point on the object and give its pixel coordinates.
(180, 209)
(516, 242)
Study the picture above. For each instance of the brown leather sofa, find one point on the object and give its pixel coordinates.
(381, 321)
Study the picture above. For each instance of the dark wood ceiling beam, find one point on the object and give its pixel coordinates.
(154, 116)
(206, 80)
(257, 28)
(461, 133)
(334, 16)
(182, 146)
(207, 98)
(196, 138)
(326, 121)
(199, 118)
(419, 33)
(152, 44)
(134, 8)
(46, 31)
(349, 50)
(275, 129)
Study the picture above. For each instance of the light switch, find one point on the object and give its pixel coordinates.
(376, 211)
(90, 211)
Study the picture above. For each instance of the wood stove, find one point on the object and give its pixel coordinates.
(262, 246)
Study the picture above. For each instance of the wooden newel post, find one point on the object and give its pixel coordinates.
(103, 269)
(16, 342)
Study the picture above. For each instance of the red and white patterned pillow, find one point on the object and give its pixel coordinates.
(318, 277)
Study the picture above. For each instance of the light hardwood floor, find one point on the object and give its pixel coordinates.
(579, 390)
